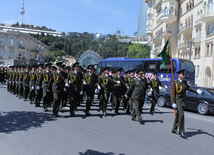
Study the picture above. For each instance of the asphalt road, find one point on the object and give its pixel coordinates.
(26, 130)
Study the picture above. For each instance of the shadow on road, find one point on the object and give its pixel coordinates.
(197, 132)
(93, 152)
(22, 120)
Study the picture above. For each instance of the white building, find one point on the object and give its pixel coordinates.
(190, 25)
(17, 48)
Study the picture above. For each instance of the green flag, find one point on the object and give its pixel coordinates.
(165, 53)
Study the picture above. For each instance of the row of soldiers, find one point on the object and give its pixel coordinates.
(60, 84)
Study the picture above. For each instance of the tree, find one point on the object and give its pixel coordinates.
(138, 51)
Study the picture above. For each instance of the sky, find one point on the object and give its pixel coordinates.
(93, 16)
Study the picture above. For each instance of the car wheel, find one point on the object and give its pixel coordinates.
(203, 108)
(161, 101)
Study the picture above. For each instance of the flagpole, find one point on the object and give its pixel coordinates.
(173, 84)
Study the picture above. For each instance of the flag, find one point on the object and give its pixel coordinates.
(165, 53)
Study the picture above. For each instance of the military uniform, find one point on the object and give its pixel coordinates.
(138, 86)
(180, 99)
(89, 85)
(32, 82)
(154, 84)
(25, 83)
(38, 87)
(20, 91)
(56, 83)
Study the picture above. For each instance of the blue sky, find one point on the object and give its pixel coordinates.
(101, 16)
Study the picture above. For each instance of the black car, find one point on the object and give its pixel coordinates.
(203, 103)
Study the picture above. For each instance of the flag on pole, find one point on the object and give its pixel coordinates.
(165, 53)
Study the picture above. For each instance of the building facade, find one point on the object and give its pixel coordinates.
(17, 48)
(190, 25)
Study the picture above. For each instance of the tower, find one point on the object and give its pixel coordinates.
(22, 11)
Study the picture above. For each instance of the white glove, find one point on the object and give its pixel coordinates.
(26, 85)
(32, 87)
(174, 106)
(165, 86)
(81, 93)
(126, 96)
(69, 81)
(17, 82)
(118, 82)
(20, 82)
(38, 87)
(151, 89)
(99, 87)
(84, 83)
(13, 81)
(127, 87)
(66, 85)
(96, 91)
(47, 90)
(65, 89)
(199, 91)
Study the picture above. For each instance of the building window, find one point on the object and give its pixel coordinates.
(11, 42)
(208, 30)
(211, 49)
(208, 48)
(199, 51)
(150, 4)
(171, 11)
(210, 6)
(166, 11)
(1, 52)
(181, 12)
(21, 44)
(1, 41)
(10, 53)
(198, 70)
(149, 16)
(196, 52)
(149, 27)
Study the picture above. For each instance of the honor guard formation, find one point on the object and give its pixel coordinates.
(59, 85)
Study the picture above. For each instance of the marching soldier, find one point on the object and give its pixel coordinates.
(74, 82)
(25, 85)
(9, 78)
(32, 82)
(89, 85)
(154, 84)
(179, 102)
(138, 86)
(119, 88)
(105, 82)
(20, 91)
(38, 85)
(66, 88)
(13, 83)
(46, 75)
(144, 93)
(17, 81)
(57, 84)
(1, 74)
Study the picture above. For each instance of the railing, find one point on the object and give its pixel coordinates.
(197, 39)
(188, 26)
(166, 32)
(158, 36)
(167, 12)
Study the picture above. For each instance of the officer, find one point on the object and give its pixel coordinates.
(89, 85)
(74, 82)
(66, 89)
(144, 93)
(129, 80)
(154, 84)
(9, 77)
(13, 82)
(46, 95)
(57, 84)
(20, 82)
(138, 85)
(179, 102)
(32, 81)
(25, 82)
(17, 81)
(38, 85)
(119, 88)
(105, 85)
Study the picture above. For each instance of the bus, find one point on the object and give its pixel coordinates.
(150, 66)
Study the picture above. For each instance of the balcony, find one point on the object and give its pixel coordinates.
(158, 37)
(21, 47)
(197, 41)
(35, 50)
(149, 31)
(182, 45)
(167, 34)
(208, 16)
(157, 4)
(198, 23)
(169, 16)
(187, 29)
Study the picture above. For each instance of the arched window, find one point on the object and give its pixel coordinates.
(208, 30)
(196, 52)
(210, 6)
(150, 4)
(199, 50)
(149, 27)
(149, 16)
(166, 11)
(171, 11)
(213, 28)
